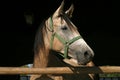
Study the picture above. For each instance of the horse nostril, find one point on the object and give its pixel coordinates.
(87, 54)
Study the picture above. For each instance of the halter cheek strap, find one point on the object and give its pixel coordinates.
(62, 40)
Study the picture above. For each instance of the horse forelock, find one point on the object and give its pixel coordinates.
(69, 23)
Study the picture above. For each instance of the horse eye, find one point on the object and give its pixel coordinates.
(64, 28)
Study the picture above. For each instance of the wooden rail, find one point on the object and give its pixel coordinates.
(59, 70)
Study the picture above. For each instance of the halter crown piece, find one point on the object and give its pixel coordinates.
(62, 40)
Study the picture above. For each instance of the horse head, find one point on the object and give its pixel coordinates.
(66, 38)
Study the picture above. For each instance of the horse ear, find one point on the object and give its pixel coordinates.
(59, 10)
(70, 11)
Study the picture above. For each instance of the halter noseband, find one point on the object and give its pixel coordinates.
(62, 40)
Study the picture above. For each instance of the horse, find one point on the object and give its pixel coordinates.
(56, 39)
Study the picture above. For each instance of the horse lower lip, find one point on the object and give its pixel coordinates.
(79, 63)
(73, 62)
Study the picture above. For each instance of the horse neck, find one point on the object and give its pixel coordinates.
(41, 58)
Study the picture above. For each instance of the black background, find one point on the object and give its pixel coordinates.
(97, 22)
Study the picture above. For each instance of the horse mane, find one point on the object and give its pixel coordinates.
(39, 38)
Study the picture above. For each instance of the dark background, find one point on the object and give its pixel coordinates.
(96, 20)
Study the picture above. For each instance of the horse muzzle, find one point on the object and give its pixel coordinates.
(84, 58)
(81, 55)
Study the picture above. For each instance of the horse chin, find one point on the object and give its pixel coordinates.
(73, 62)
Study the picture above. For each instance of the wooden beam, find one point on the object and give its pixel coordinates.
(60, 70)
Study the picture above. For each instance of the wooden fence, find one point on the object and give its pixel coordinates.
(60, 70)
